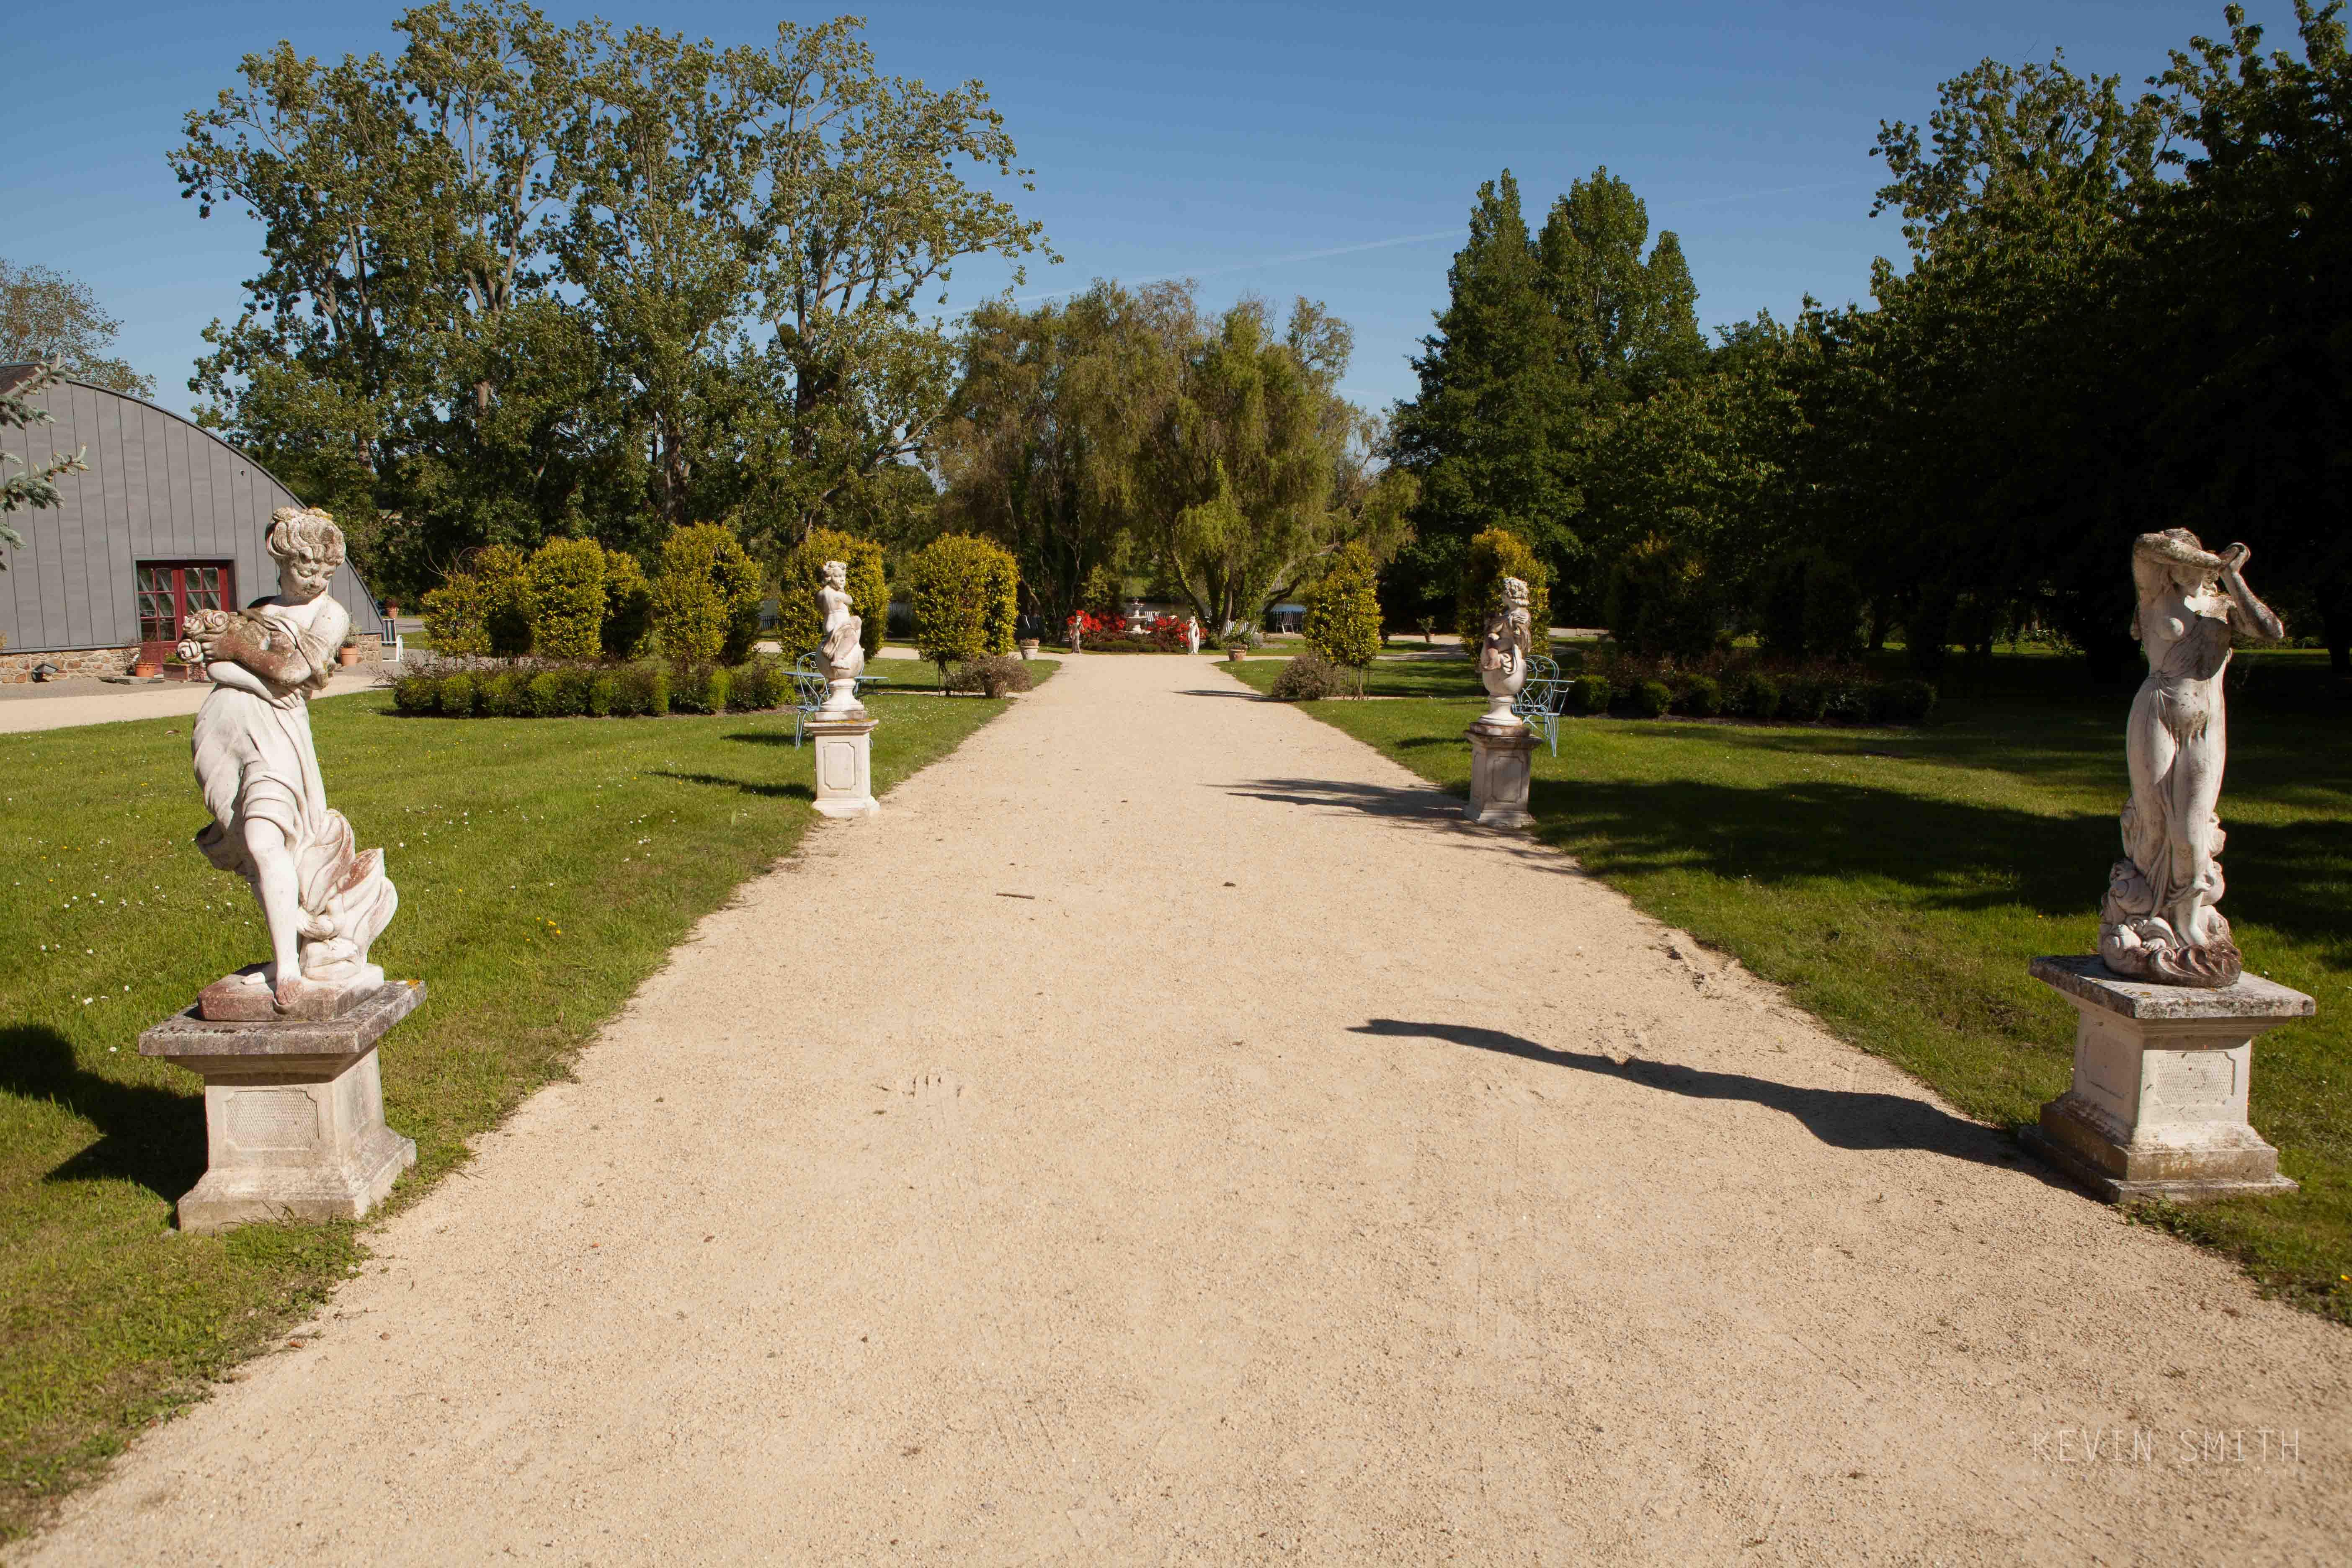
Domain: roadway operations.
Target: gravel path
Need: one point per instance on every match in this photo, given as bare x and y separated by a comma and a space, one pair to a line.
1166, 1135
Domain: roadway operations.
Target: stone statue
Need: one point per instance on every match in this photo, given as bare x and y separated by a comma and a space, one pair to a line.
1191, 633
2158, 921
1503, 657
841, 652
323, 899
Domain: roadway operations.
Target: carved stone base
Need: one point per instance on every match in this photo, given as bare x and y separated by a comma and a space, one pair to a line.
293, 1112
843, 764
247, 997
2158, 1107
1502, 769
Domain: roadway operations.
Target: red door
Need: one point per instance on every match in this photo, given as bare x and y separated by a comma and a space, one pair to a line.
168, 591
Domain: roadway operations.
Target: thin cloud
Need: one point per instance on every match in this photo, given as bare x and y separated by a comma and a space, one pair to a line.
1268, 261
1759, 195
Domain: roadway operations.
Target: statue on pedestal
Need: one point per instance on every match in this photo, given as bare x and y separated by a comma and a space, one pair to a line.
841, 652
1503, 655
2159, 921
1191, 633
324, 900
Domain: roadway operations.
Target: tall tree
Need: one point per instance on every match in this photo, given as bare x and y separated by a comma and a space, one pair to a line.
48, 317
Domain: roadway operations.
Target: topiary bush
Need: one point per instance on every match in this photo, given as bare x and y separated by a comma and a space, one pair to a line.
1590, 694
641, 690
503, 695
1802, 697
1701, 698
1493, 555
1847, 703
556, 694
416, 694
964, 592
1660, 602
699, 689
799, 626
602, 691
758, 686
1309, 678
456, 696
564, 590
1343, 610
1758, 695
483, 608
1907, 701
627, 631
1651, 700
706, 600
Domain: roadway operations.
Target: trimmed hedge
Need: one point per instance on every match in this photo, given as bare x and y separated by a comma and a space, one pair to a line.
1590, 694
617, 691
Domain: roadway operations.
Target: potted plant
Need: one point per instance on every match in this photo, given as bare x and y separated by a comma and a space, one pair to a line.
1028, 646
1235, 651
348, 654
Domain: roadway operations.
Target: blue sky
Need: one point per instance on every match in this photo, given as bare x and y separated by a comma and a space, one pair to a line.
1270, 148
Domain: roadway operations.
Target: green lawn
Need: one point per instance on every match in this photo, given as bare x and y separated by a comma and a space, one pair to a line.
1896, 881
545, 867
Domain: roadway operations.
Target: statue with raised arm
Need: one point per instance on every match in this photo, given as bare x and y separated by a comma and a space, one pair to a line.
323, 899
1503, 655
2160, 921
840, 652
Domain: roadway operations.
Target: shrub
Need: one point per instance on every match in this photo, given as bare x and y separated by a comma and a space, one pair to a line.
602, 691
964, 592
799, 627
641, 689
1757, 696
760, 684
1493, 555
993, 675
1847, 703
1702, 697
699, 689
1907, 701
556, 694
1802, 697
502, 696
628, 606
1343, 610
1651, 699
563, 588
1834, 605
416, 694
1309, 677
1659, 601
1101, 592
483, 608
456, 696
1590, 694
706, 602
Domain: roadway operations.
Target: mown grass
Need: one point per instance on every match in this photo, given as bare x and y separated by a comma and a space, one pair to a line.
545, 867
1897, 882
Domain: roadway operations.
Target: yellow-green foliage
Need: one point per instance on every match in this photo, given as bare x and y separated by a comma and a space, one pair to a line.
798, 624
484, 607
1495, 554
628, 606
706, 602
1343, 609
566, 583
964, 592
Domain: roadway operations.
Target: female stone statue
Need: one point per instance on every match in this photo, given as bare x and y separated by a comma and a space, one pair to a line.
2158, 921
324, 902
840, 650
1503, 655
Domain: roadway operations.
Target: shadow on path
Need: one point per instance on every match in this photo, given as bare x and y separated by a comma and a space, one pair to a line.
1349, 794
153, 1136
1242, 696
1843, 1118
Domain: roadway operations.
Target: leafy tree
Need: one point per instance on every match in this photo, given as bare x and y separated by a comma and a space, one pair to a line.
799, 626
964, 592
706, 598
34, 487
1659, 600
1343, 610
49, 317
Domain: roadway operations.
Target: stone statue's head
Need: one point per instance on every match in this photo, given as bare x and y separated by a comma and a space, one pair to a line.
308, 547
1514, 592
837, 574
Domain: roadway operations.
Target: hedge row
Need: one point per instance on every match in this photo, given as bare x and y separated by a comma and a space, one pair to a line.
618, 691
1806, 699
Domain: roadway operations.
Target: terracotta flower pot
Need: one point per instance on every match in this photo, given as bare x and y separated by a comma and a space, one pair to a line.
1235, 654
347, 657
146, 669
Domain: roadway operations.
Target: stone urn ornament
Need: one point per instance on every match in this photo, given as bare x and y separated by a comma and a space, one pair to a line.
293, 1100
2166, 1014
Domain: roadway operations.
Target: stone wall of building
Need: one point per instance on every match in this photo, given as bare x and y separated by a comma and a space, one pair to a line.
17, 669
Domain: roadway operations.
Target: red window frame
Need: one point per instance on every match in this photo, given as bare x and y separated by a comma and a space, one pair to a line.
166, 590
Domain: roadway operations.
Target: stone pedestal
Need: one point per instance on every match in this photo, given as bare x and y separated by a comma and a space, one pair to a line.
293, 1112
1502, 766
2158, 1104
845, 764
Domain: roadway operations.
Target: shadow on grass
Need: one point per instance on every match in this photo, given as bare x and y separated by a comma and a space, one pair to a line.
150, 1136
748, 787
763, 737
1960, 855
1842, 1119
